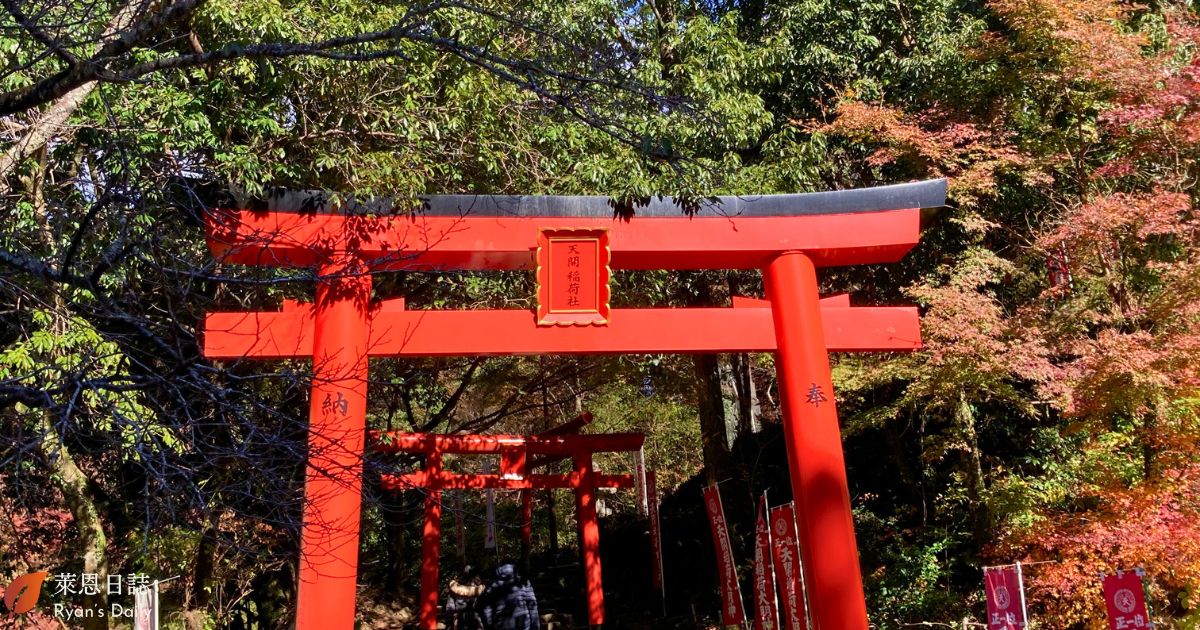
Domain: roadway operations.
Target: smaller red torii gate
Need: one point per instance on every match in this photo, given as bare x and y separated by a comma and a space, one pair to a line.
515, 465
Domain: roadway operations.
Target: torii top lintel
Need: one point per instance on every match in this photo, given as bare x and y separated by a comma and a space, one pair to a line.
859, 226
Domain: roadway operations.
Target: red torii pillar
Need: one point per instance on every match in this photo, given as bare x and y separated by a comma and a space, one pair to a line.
784, 235
514, 474
814, 445
567, 428
337, 412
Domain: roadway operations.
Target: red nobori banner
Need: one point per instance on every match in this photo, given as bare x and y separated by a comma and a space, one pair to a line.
732, 613
788, 571
766, 615
1005, 597
656, 575
1125, 598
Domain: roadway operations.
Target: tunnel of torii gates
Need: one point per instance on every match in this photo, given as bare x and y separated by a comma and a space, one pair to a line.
572, 243
515, 473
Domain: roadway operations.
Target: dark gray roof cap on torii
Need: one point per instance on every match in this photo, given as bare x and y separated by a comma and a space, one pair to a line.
923, 194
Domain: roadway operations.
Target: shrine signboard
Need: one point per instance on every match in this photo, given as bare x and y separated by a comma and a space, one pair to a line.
572, 277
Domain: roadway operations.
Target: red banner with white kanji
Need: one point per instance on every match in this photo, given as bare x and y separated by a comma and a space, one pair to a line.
788, 570
766, 616
1005, 597
1125, 598
656, 575
732, 613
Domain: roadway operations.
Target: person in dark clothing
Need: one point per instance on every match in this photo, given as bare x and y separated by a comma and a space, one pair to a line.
509, 602
461, 600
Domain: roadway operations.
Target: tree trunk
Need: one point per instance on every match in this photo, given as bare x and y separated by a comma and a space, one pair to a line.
716, 434
714, 430
908, 478
742, 389
972, 464
552, 520
93, 543
273, 594
740, 377
1149, 447
551, 495
203, 570
64, 472
51, 123
392, 509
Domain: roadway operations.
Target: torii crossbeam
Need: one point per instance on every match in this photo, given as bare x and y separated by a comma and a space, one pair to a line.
572, 242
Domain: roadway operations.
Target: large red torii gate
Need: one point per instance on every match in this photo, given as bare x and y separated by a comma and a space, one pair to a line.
515, 473
787, 236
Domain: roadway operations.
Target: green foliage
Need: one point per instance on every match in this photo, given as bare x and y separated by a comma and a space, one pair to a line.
60, 350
